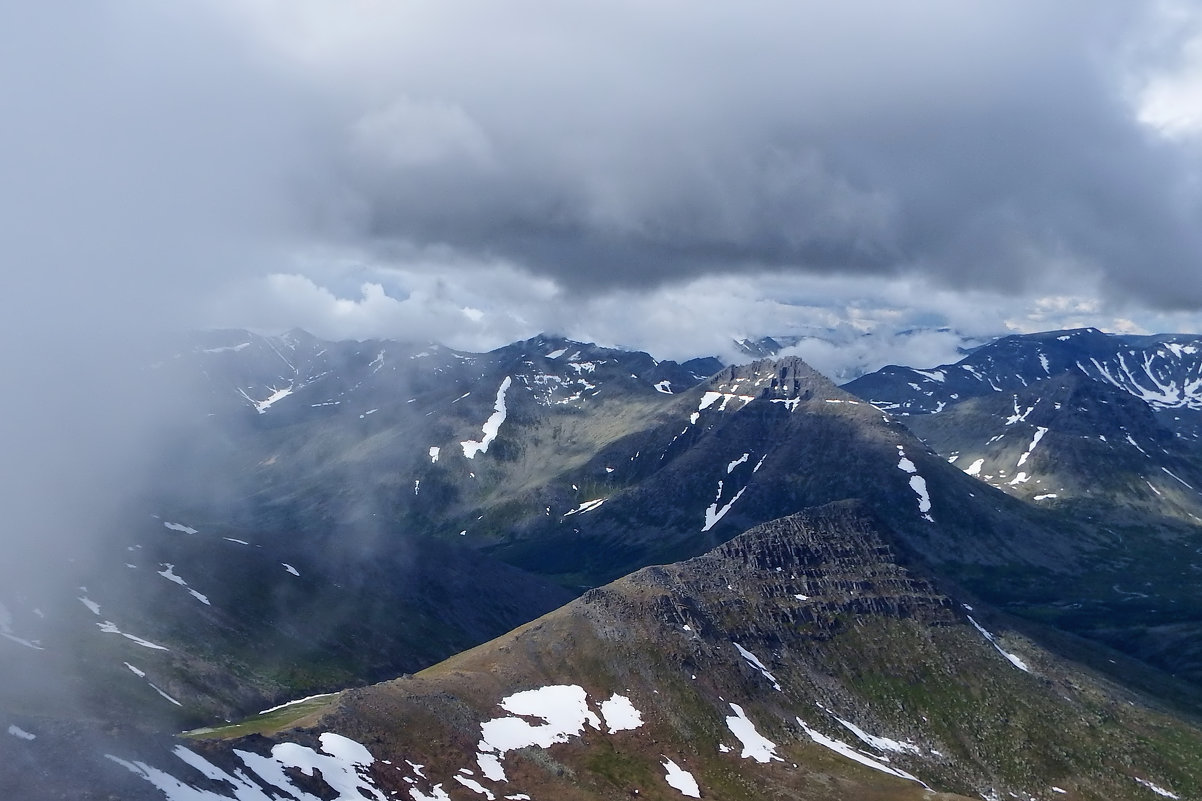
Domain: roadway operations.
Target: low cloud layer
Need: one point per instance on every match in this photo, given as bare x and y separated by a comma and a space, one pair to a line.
847, 325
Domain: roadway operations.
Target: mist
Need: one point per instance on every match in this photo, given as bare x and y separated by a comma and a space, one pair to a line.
128, 194
140, 174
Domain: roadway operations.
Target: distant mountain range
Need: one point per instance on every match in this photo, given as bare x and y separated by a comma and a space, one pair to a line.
978, 577
1095, 427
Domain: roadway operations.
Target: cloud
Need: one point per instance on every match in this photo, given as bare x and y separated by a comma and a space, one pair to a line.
621, 145
596, 154
409, 135
664, 176
846, 324
143, 165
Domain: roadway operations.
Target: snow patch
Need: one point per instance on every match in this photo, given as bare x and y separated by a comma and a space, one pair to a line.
587, 506
846, 750
491, 426
21, 734
563, 707
179, 527
1014, 660
758, 665
490, 766
1020, 416
710, 398
619, 714
475, 787
167, 697
1157, 789
6, 630
919, 485
933, 375
713, 514
344, 765
297, 701
1136, 445
681, 779
871, 740
1174, 475
755, 745
169, 574
228, 348
109, 627
1039, 432
275, 397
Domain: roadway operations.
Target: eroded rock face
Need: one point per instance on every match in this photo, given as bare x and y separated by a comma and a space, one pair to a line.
836, 557
785, 379
809, 574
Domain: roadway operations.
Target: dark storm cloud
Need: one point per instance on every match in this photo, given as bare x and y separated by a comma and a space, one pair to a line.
621, 144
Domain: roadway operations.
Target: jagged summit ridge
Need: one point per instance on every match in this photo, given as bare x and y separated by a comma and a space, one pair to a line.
806, 571
789, 378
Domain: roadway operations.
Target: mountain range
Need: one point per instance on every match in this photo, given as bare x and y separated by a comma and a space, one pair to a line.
974, 580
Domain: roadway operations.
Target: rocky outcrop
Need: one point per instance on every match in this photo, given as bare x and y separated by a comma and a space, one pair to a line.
804, 573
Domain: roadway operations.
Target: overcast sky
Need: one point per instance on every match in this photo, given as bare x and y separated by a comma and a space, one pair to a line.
664, 174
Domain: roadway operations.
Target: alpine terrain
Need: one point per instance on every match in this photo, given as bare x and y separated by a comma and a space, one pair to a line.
599, 575
1090, 427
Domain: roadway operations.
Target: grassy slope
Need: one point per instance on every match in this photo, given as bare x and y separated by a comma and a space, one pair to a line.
872, 643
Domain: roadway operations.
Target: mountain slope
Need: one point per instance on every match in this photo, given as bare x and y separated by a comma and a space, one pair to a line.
1100, 431
628, 468
397, 504
800, 660
336, 547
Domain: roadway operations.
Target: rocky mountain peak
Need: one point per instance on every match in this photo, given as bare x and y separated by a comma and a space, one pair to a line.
785, 378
